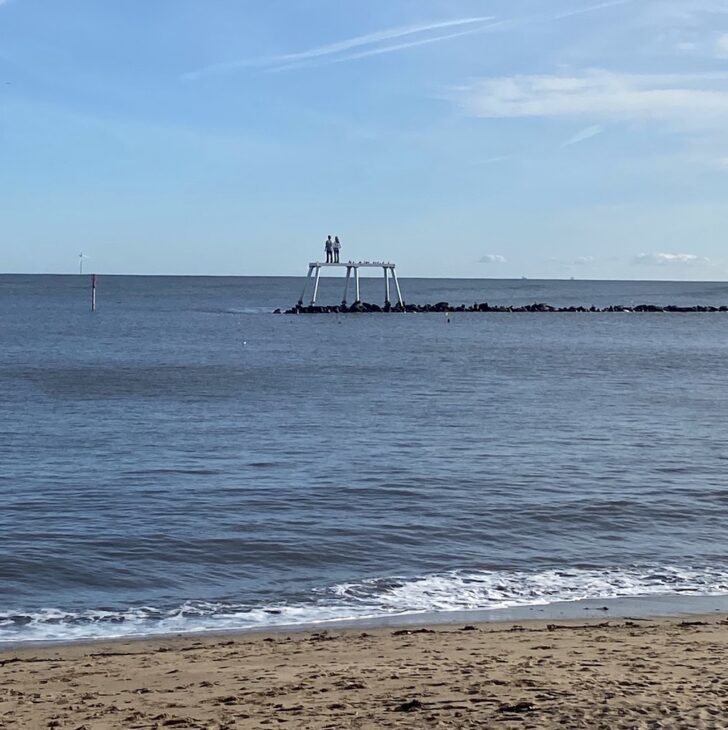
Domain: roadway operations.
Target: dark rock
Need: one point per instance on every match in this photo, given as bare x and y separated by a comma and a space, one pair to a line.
409, 706
648, 308
365, 307
518, 707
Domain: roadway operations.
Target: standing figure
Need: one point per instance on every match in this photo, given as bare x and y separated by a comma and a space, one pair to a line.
329, 246
337, 248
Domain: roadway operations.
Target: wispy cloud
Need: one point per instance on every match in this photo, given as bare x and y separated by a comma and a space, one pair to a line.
721, 46
695, 98
384, 49
338, 47
338, 51
662, 259
492, 258
492, 160
591, 9
584, 134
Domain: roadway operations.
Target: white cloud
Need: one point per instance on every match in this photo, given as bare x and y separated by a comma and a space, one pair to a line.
336, 52
583, 260
591, 9
721, 46
661, 259
348, 44
584, 134
492, 258
384, 49
492, 160
700, 99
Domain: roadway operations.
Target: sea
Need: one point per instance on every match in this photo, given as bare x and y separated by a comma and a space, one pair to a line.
185, 460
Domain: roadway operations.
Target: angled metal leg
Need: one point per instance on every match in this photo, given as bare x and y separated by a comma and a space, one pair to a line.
305, 286
315, 286
396, 283
346, 284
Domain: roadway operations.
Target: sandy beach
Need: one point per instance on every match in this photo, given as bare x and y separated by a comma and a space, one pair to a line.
633, 673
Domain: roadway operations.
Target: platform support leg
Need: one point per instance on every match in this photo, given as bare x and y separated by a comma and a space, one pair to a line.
305, 286
386, 285
315, 286
346, 285
396, 283
356, 281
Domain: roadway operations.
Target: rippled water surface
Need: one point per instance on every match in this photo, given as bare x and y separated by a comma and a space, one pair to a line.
184, 459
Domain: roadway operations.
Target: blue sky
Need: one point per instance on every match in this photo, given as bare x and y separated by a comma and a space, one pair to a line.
477, 138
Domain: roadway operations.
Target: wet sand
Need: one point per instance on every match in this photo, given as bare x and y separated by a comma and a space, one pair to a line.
626, 673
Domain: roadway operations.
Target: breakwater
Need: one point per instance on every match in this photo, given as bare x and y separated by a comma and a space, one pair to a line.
445, 307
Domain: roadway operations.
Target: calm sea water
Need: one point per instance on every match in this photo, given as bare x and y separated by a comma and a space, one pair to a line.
183, 459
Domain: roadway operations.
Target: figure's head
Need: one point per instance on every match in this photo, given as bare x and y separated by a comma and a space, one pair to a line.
336, 238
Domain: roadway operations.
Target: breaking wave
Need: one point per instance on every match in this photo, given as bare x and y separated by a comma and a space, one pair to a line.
372, 598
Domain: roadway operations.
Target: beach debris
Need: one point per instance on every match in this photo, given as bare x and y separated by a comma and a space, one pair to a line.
322, 636
409, 706
350, 684
469, 627
557, 627
517, 707
408, 632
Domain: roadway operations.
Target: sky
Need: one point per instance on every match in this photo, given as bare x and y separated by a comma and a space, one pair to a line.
459, 138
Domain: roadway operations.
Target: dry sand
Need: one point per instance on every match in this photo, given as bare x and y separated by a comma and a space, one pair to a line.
624, 674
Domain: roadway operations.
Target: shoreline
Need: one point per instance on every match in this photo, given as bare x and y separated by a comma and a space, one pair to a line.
637, 607
591, 672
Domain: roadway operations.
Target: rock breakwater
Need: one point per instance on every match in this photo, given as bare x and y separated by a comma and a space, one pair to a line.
445, 307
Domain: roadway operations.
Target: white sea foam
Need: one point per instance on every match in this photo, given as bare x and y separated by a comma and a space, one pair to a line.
372, 598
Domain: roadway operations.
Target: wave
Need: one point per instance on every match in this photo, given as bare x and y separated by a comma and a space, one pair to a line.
369, 599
